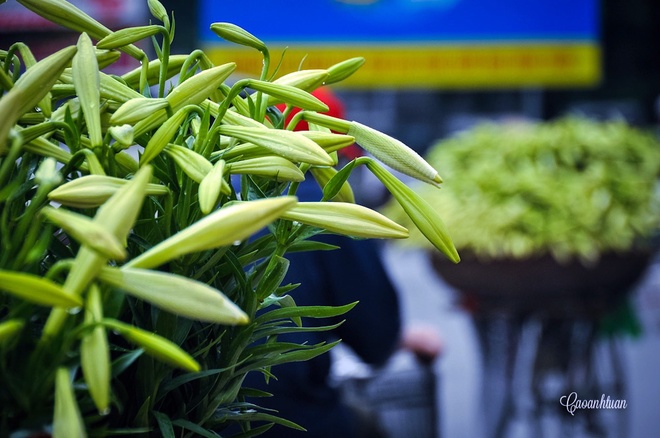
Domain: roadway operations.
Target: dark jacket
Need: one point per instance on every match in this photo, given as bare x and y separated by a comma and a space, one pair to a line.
353, 273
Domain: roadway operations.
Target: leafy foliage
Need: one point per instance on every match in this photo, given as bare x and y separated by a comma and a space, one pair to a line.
573, 188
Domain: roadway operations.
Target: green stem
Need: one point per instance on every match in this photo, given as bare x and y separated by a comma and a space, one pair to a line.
194, 57
233, 93
9, 160
164, 62
144, 76
28, 217
333, 123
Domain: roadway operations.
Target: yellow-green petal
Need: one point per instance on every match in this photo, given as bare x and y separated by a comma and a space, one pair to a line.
329, 141
238, 35
290, 95
126, 36
344, 69
192, 91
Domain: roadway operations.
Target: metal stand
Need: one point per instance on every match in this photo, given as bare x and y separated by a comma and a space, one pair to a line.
530, 362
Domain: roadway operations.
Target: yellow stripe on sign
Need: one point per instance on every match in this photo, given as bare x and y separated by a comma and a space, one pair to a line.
464, 65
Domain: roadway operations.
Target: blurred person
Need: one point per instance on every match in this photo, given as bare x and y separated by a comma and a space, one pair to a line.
372, 329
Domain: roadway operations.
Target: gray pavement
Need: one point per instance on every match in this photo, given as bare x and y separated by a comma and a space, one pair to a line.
462, 412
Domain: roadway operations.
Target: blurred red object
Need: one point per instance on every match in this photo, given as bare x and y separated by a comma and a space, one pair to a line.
336, 109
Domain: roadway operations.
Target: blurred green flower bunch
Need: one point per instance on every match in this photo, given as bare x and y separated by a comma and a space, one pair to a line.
136, 286
572, 188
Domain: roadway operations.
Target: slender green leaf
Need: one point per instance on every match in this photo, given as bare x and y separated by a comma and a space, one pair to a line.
305, 312
164, 424
199, 430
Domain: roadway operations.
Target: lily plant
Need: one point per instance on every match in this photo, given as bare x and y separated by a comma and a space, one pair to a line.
137, 286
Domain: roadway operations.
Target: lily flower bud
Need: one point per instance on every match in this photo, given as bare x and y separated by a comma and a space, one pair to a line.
154, 345
288, 144
347, 219
220, 228
238, 35
106, 57
158, 11
69, 16
30, 88
93, 190
289, 94
343, 70
201, 302
67, 421
85, 71
164, 134
134, 110
123, 136
394, 153
126, 36
87, 232
425, 218
330, 142
37, 290
211, 187
307, 80
193, 164
95, 353
192, 91
174, 64
47, 173
274, 167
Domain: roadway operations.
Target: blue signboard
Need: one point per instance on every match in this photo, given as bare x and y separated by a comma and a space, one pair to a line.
435, 25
